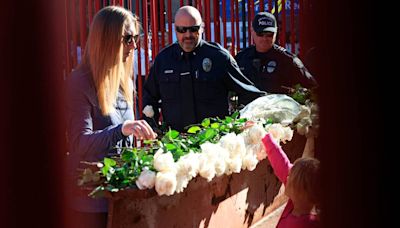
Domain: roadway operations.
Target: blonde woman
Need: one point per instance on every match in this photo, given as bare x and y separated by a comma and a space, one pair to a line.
100, 92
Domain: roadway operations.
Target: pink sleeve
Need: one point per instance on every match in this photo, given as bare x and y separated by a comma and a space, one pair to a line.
277, 157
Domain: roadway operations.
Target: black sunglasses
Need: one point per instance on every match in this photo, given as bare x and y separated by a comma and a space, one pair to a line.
183, 29
267, 34
129, 39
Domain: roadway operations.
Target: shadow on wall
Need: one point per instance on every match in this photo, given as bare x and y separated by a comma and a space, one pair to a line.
264, 178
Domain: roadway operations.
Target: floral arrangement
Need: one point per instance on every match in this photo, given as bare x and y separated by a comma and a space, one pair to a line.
210, 149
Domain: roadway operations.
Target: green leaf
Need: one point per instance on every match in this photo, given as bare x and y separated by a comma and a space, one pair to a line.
127, 155
109, 173
183, 146
170, 146
205, 122
194, 129
193, 139
146, 158
172, 134
242, 120
228, 120
223, 127
104, 170
210, 133
177, 154
235, 114
215, 125
109, 162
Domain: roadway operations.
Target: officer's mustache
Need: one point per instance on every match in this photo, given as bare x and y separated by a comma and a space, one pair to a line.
191, 38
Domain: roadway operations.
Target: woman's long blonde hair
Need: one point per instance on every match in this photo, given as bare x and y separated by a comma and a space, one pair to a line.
104, 55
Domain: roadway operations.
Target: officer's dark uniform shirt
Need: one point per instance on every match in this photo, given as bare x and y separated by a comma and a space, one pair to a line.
192, 85
273, 69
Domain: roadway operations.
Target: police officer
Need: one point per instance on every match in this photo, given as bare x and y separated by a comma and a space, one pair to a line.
272, 68
191, 78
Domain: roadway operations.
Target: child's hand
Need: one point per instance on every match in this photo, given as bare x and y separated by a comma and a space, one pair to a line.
247, 125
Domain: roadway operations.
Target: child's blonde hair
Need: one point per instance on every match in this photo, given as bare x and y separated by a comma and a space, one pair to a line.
305, 179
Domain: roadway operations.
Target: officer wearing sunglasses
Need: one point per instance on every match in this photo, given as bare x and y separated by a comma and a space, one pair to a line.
271, 67
191, 78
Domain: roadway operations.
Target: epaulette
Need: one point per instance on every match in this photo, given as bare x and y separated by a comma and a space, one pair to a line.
279, 48
214, 44
284, 51
297, 62
217, 46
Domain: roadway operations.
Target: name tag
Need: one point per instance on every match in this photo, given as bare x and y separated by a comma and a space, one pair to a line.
185, 73
168, 71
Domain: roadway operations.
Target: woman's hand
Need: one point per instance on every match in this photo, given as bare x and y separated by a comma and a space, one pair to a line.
138, 128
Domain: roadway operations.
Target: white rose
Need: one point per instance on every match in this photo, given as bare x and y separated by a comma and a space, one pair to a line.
234, 165
234, 144
148, 111
188, 164
257, 150
280, 133
165, 183
217, 155
221, 163
206, 166
287, 134
276, 131
254, 134
250, 162
220, 166
260, 151
210, 150
164, 162
182, 181
146, 179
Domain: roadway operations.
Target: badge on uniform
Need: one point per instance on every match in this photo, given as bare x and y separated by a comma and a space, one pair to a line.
207, 64
271, 65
